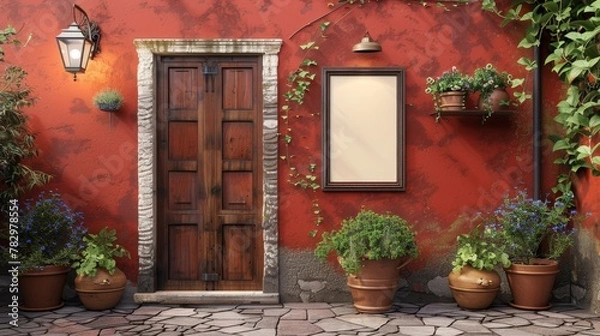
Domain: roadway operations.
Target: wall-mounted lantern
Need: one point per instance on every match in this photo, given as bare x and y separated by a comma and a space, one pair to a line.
79, 42
366, 45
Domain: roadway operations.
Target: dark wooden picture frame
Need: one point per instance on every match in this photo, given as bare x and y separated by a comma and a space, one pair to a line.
363, 129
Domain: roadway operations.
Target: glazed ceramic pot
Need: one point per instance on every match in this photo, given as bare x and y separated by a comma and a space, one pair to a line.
102, 291
474, 289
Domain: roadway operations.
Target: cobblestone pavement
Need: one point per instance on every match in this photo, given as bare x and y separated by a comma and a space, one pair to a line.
297, 319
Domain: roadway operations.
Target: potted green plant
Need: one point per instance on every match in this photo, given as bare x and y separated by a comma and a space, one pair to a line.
474, 282
449, 91
371, 248
535, 233
491, 85
51, 236
99, 283
108, 100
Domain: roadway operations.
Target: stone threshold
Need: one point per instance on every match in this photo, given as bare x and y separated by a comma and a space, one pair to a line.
207, 297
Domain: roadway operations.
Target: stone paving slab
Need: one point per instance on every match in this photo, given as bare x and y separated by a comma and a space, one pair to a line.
304, 319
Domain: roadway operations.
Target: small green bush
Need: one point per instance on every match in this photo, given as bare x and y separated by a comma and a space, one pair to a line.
479, 250
370, 236
50, 232
100, 252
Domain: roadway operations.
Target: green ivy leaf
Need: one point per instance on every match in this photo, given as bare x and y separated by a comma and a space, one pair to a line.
574, 73
561, 144
584, 152
527, 63
307, 45
595, 120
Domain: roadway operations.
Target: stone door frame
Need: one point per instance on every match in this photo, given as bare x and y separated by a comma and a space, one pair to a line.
147, 50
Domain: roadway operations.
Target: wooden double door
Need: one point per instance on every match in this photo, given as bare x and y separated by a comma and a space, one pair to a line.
209, 173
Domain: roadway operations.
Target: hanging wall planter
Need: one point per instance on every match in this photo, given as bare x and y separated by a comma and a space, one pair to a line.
491, 85
109, 100
450, 90
497, 100
452, 100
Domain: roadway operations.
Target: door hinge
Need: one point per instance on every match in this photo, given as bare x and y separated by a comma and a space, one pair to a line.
210, 277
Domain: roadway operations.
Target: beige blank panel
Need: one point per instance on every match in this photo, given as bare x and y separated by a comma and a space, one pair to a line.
363, 129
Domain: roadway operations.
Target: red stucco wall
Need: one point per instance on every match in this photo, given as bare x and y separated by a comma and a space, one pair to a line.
455, 167
588, 192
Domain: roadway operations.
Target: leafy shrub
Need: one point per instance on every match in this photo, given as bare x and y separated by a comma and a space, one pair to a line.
50, 232
452, 80
371, 236
523, 224
479, 250
17, 141
100, 252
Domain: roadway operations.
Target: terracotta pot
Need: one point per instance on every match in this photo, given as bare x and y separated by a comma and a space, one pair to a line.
496, 101
452, 100
102, 291
531, 285
474, 289
42, 289
373, 289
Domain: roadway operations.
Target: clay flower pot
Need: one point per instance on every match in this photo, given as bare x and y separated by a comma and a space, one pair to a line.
452, 100
531, 285
496, 101
373, 289
41, 289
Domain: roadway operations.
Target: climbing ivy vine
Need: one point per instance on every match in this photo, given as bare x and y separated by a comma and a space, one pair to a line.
572, 31
304, 176
298, 83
